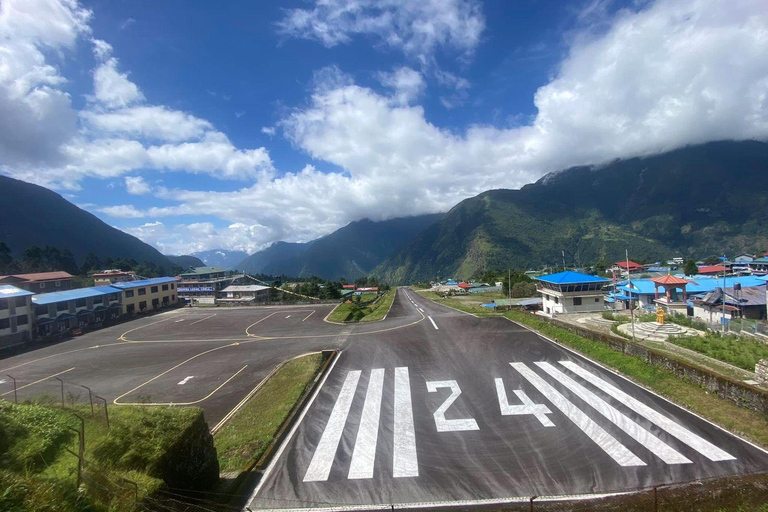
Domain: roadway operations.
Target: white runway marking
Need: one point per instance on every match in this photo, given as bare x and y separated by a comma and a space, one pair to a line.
603, 439
364, 453
404, 461
445, 425
185, 380
206, 318
179, 320
289, 316
699, 444
320, 466
433, 322
538, 410
420, 309
635, 431
309, 315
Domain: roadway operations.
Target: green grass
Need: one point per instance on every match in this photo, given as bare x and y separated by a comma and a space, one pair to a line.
252, 429
468, 303
38, 473
741, 352
682, 391
363, 311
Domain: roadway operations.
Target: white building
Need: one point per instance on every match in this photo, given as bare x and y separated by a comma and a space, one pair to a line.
571, 292
15, 315
244, 293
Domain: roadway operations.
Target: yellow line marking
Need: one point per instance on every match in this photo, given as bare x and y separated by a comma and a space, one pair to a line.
169, 370
38, 381
309, 315
122, 336
206, 318
209, 395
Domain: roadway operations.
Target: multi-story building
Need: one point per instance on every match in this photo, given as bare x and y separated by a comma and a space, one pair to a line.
571, 292
16, 315
107, 277
40, 282
147, 294
82, 307
205, 284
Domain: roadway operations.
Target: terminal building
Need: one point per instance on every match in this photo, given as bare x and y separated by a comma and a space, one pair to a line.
16, 315
205, 284
57, 312
147, 294
571, 292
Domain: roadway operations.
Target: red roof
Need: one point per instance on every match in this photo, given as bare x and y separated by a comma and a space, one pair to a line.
632, 265
43, 276
348, 287
465, 285
369, 289
711, 269
668, 279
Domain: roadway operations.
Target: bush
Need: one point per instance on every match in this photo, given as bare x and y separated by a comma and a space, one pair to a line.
744, 353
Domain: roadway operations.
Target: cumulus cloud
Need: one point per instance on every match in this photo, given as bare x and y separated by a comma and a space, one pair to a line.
135, 185
408, 84
198, 236
417, 29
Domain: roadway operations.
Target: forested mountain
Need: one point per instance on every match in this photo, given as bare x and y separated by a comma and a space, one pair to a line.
695, 201
349, 252
221, 258
35, 216
185, 261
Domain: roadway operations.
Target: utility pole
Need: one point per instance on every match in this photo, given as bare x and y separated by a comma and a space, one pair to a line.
563, 261
509, 283
631, 306
723, 319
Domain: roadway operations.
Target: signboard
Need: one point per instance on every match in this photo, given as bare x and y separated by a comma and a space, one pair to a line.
197, 289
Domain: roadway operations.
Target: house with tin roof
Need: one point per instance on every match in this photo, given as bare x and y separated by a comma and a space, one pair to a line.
570, 292
16, 315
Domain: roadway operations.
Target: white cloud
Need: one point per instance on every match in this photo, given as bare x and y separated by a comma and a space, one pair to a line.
112, 88
147, 122
268, 130
407, 83
417, 28
178, 239
135, 185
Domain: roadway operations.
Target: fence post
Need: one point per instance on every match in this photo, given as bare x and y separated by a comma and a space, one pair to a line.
531, 502
135, 488
79, 467
656, 498
90, 396
15, 396
106, 411
62, 390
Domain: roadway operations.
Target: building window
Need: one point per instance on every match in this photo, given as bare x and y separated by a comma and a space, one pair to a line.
5, 323
557, 300
577, 301
22, 320
597, 299
41, 310
128, 293
172, 286
58, 283
155, 303
80, 303
142, 305
62, 306
42, 285
4, 303
153, 289
165, 287
98, 300
130, 308
165, 299
21, 302
112, 296
173, 297
142, 291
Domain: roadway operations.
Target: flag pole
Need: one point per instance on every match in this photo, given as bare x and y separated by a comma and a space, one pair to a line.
631, 306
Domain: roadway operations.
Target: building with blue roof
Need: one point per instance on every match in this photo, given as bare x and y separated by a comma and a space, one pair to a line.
571, 292
643, 290
60, 311
15, 315
147, 294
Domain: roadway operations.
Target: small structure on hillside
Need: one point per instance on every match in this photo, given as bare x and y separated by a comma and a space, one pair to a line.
571, 292
672, 301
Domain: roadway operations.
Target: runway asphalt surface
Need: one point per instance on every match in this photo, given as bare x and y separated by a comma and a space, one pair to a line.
454, 409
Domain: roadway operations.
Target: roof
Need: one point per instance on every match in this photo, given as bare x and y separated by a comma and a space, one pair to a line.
144, 282
42, 276
711, 269
465, 285
631, 265
108, 273
669, 279
193, 271
659, 269
245, 288
569, 277
78, 293
763, 260
702, 284
530, 302
7, 292
744, 297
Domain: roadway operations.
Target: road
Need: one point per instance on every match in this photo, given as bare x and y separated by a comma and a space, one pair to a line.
450, 408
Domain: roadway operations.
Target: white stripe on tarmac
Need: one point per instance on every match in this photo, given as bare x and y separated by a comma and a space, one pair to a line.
635, 431
322, 460
595, 432
699, 444
206, 318
404, 462
364, 453
433, 322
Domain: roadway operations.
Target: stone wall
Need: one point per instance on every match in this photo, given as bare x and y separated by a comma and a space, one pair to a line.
741, 393
761, 371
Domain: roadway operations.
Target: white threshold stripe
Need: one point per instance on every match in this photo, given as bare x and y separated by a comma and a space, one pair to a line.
364, 453
206, 318
635, 431
325, 452
433, 322
404, 461
595, 432
696, 442
539, 411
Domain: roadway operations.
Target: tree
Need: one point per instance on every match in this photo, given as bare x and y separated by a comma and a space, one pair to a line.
521, 289
690, 268
91, 263
713, 260
5, 257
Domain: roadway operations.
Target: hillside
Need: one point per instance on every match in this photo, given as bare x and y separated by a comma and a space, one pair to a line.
221, 258
33, 215
349, 252
185, 261
695, 201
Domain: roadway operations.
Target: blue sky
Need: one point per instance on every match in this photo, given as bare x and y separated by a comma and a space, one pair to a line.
201, 125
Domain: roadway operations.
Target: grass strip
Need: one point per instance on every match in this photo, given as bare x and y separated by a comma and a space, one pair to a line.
245, 437
381, 308
728, 415
470, 304
741, 352
363, 311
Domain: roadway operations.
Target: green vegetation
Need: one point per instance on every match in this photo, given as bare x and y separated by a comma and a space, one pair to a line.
363, 308
683, 320
248, 434
663, 381
690, 268
151, 447
468, 303
738, 351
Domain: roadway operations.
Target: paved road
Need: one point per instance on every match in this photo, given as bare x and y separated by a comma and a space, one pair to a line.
451, 408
